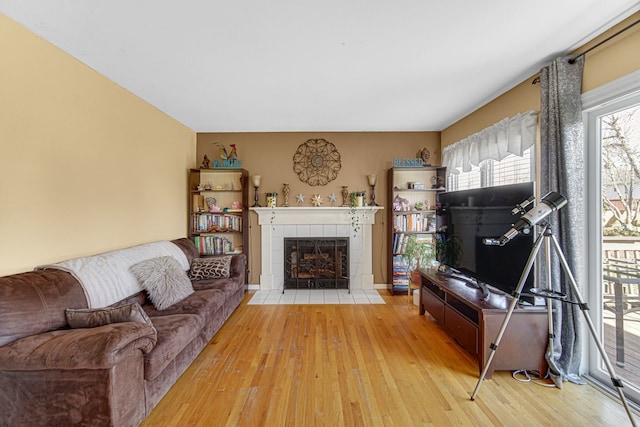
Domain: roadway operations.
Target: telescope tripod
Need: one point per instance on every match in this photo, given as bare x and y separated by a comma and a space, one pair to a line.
547, 234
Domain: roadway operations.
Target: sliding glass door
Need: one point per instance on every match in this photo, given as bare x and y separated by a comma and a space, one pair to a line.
613, 131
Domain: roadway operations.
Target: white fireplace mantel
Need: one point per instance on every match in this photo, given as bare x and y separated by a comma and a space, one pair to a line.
280, 222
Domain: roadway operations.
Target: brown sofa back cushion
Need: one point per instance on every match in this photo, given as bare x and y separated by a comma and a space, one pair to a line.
188, 247
34, 302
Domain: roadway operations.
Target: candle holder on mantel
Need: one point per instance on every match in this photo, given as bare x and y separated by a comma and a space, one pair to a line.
372, 183
255, 179
285, 192
345, 196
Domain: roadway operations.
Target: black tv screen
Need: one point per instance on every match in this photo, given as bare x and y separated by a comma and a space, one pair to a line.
474, 215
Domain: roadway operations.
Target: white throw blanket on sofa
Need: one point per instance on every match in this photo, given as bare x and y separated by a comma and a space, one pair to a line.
106, 278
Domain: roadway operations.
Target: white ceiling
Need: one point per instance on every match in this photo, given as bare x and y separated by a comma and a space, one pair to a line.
330, 65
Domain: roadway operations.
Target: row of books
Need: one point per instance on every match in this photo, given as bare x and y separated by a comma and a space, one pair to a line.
414, 222
400, 242
214, 222
210, 245
400, 271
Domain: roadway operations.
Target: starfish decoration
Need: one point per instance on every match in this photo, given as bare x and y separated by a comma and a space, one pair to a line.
300, 198
332, 198
317, 200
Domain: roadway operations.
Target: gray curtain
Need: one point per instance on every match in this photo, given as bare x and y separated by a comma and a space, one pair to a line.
562, 170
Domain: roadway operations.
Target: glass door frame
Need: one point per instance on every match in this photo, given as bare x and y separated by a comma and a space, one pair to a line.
615, 96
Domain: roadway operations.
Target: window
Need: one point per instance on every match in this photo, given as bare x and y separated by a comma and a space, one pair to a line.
497, 155
510, 170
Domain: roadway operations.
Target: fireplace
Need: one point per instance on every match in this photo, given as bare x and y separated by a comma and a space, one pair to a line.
316, 263
279, 223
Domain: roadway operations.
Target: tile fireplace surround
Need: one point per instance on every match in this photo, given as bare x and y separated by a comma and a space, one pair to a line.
278, 223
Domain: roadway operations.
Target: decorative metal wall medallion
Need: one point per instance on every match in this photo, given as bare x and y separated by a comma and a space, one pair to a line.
317, 162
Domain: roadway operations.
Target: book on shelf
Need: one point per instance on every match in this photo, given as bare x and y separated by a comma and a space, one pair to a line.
400, 243
212, 245
415, 222
198, 203
400, 271
214, 221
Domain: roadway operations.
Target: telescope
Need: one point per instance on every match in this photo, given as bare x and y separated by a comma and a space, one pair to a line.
551, 202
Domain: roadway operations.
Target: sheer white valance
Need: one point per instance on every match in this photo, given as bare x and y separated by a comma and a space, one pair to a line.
512, 135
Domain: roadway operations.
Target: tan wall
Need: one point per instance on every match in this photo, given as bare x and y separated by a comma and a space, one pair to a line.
614, 59
270, 155
610, 61
85, 166
523, 97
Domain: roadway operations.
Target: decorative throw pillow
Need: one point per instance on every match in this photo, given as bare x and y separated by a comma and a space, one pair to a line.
94, 317
210, 268
164, 280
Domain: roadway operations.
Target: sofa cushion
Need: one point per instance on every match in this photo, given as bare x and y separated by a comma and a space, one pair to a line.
164, 279
175, 332
201, 303
188, 247
210, 268
141, 298
93, 317
228, 286
209, 305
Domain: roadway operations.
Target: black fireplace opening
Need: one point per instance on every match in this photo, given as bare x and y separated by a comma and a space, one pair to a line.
316, 263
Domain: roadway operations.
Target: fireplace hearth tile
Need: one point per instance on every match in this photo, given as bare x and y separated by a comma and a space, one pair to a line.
316, 296
301, 298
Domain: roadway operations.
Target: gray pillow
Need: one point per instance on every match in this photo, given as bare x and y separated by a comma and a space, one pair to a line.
210, 268
94, 317
164, 280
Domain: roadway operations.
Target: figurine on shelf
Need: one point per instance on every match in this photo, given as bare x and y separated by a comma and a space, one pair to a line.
230, 155
400, 204
211, 203
205, 162
236, 206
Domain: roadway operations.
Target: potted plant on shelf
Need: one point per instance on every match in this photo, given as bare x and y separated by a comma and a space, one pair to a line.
418, 253
448, 250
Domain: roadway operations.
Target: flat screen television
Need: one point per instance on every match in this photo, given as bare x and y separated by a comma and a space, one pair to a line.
473, 215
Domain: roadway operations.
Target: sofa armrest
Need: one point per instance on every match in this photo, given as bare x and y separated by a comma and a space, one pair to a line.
84, 348
238, 266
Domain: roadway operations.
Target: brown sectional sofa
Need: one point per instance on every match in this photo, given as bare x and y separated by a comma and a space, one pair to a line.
111, 375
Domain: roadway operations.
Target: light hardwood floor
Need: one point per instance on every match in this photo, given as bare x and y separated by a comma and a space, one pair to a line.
359, 365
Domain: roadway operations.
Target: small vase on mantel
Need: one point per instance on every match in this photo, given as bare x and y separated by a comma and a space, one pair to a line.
345, 196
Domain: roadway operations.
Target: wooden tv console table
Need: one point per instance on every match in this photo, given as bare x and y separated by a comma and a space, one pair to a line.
474, 324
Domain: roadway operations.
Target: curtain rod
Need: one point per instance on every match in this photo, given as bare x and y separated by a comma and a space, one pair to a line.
575, 58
